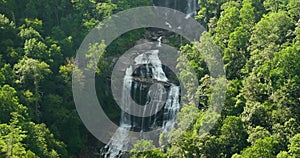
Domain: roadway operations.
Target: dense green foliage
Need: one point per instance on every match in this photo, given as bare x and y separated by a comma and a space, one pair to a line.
260, 42
38, 41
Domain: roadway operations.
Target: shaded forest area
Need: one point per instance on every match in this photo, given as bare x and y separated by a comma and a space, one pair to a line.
260, 44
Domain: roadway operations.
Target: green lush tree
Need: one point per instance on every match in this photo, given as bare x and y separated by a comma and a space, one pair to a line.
283, 154
293, 9
275, 5
265, 147
8, 40
12, 136
232, 106
255, 114
209, 145
42, 142
268, 35
233, 136
228, 21
294, 147
256, 133
235, 55
8, 73
9, 102
209, 10
31, 71
145, 149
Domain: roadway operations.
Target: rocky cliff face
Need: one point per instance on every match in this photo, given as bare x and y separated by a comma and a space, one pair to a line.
145, 69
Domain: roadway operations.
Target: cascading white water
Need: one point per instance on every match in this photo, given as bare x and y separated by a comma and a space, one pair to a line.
191, 8
153, 69
120, 138
171, 109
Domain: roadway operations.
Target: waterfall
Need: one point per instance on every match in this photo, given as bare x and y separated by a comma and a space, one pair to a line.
171, 109
120, 138
150, 67
192, 8
189, 7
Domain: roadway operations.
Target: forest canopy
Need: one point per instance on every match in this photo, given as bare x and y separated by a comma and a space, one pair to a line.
260, 45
